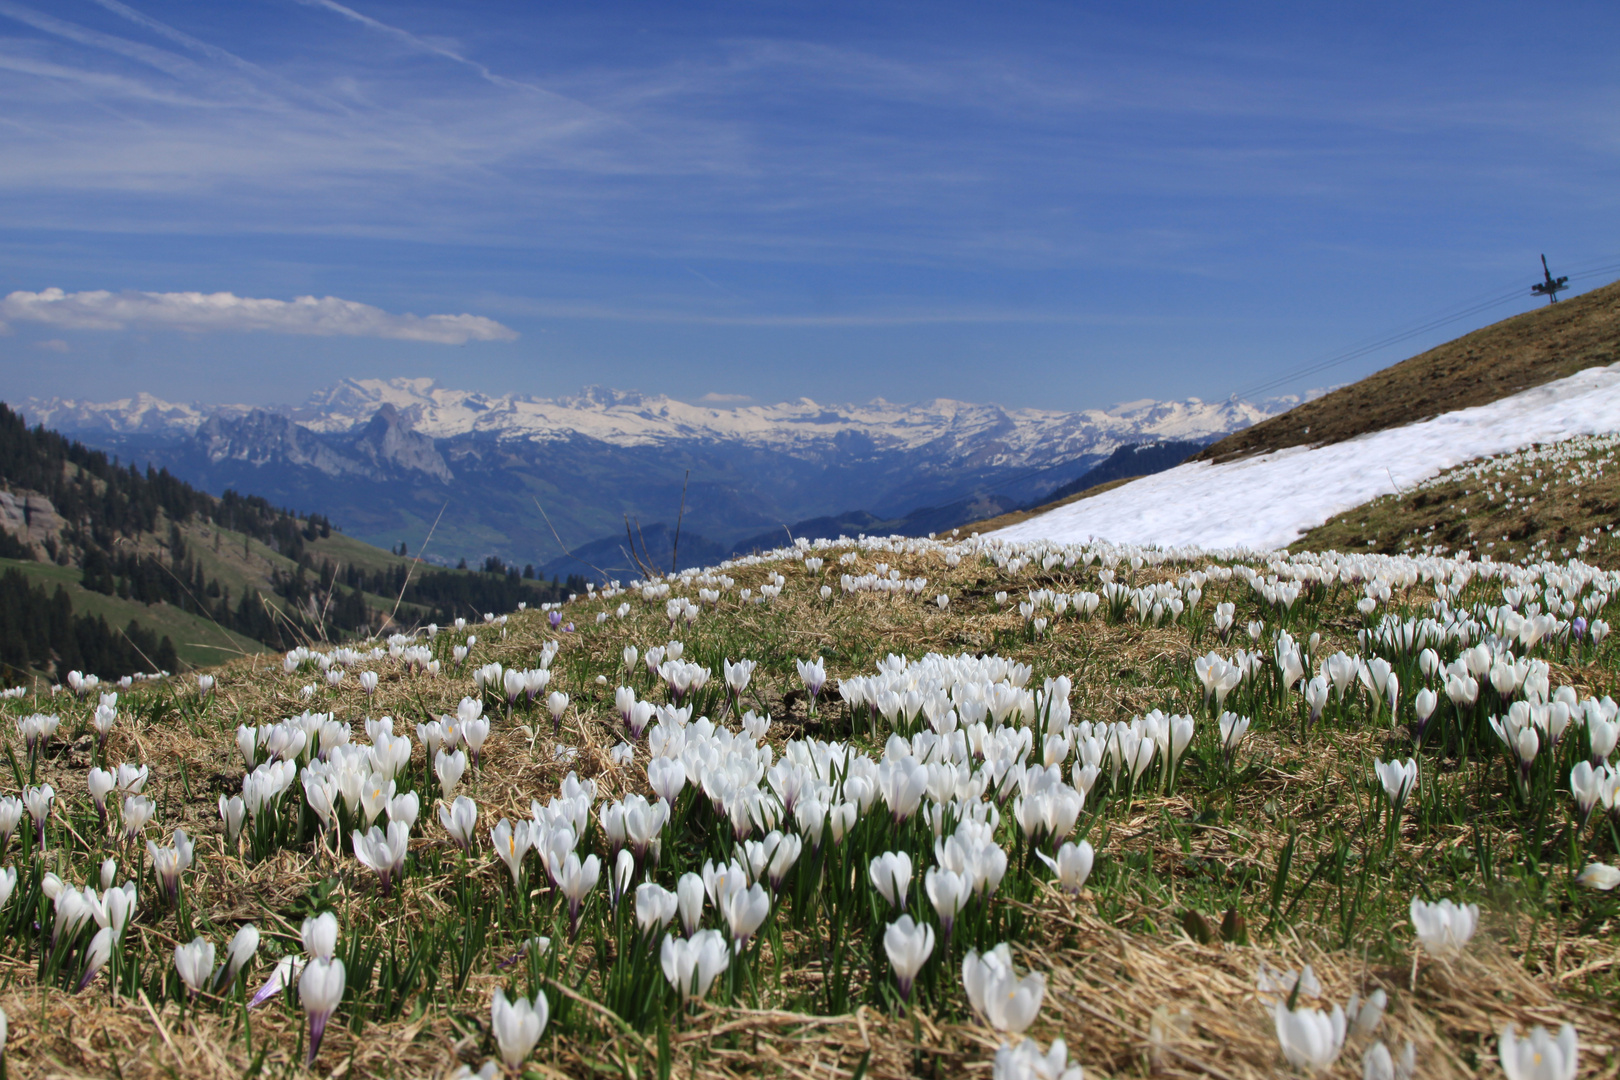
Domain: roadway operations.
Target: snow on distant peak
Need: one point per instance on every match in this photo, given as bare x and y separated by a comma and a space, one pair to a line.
142, 414
986, 432
1126, 408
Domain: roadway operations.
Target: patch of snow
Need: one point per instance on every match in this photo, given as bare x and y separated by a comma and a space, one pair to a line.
1267, 502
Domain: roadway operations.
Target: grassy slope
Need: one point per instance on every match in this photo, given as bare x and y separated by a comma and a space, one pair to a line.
1476, 369
198, 641
1113, 956
1573, 496
238, 563
241, 562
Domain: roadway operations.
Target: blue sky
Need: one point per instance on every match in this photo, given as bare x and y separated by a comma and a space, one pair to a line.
1057, 205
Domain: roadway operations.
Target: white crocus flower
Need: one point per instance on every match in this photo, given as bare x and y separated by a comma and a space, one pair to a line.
1400, 779
101, 784
1600, 876
138, 811
194, 962
449, 767
1233, 729
691, 964
518, 1025
1310, 1039
655, 907
1423, 704
232, 810
96, 956
908, 946
813, 673
38, 801
1538, 1056
131, 778
1379, 1064
286, 970
1072, 865
1444, 928
375, 795
782, 857
1007, 1003
319, 936
11, 812
383, 853
667, 777
405, 809
891, 876
1026, 1062
1586, 787
744, 911
1316, 697
320, 988
624, 871
689, 896
238, 953
1365, 1016
105, 717
460, 820
168, 863
511, 843
948, 892
575, 879
474, 733
737, 676
115, 909
432, 736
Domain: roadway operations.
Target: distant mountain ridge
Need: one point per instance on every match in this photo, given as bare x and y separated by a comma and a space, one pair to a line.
383, 457
1141, 459
628, 418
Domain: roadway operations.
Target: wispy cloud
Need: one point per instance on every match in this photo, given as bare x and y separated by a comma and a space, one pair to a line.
746, 147
194, 312
945, 190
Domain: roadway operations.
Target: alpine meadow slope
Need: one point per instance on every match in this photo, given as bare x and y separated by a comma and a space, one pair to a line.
890, 807
1543, 377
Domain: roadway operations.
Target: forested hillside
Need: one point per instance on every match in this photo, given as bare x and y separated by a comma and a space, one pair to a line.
240, 570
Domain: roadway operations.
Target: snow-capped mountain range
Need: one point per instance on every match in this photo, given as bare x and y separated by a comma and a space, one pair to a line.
382, 457
626, 418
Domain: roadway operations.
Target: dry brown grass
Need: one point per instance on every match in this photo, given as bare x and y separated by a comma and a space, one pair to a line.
1116, 987
1476, 369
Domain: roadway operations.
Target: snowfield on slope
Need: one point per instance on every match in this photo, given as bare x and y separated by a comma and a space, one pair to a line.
1269, 501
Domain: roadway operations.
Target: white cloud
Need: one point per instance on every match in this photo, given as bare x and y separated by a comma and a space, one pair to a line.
714, 398
193, 312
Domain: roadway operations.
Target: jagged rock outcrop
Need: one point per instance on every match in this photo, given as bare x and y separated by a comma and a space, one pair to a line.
389, 442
